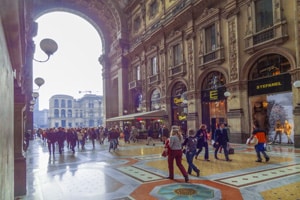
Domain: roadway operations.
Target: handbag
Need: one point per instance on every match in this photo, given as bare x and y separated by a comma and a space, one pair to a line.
164, 153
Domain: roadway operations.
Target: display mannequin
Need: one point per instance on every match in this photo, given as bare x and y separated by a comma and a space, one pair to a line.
288, 130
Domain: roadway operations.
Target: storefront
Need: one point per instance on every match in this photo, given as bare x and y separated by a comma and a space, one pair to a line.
270, 97
179, 106
213, 100
141, 121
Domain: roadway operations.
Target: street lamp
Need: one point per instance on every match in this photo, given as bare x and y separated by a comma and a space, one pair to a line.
49, 47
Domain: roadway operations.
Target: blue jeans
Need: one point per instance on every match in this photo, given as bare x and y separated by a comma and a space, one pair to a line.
190, 157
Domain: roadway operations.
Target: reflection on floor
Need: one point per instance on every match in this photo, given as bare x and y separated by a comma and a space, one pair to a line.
137, 171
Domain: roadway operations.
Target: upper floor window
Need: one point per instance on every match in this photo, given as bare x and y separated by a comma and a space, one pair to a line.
91, 105
63, 113
154, 69
210, 38
69, 103
69, 113
138, 73
176, 54
263, 14
153, 9
63, 103
56, 103
155, 100
56, 113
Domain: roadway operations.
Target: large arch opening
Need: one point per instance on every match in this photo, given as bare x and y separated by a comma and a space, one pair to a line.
74, 70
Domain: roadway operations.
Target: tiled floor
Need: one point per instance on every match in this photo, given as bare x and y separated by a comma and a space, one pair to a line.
137, 171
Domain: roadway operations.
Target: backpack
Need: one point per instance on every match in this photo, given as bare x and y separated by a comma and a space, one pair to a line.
191, 144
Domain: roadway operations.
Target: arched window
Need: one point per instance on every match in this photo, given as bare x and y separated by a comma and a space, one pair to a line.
69, 103
269, 65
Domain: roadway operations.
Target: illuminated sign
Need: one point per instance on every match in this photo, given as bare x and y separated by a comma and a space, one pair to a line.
274, 84
213, 95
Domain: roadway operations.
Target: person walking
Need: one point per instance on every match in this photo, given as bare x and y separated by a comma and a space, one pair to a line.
51, 140
191, 148
202, 136
221, 140
150, 135
175, 144
260, 135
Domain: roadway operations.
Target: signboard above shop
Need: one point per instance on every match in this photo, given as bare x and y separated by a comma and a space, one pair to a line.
213, 94
274, 84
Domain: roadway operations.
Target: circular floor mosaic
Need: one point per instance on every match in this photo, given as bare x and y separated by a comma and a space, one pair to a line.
180, 191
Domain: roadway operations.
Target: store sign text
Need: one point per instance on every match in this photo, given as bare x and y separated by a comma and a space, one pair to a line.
213, 95
268, 85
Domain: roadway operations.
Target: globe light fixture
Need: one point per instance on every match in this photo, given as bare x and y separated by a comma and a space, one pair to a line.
49, 47
39, 81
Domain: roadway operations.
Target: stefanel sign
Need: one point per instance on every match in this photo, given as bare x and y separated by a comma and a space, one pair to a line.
213, 95
274, 84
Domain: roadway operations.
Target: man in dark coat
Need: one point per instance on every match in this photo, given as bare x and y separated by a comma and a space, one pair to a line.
221, 140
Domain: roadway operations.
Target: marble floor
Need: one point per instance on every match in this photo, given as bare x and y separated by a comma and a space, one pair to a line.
137, 171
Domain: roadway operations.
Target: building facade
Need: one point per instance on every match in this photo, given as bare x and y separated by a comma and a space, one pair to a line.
209, 62
163, 59
65, 111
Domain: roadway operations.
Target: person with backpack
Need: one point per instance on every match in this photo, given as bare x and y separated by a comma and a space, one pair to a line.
202, 136
191, 148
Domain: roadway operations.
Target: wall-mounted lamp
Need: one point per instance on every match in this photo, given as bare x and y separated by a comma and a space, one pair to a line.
35, 95
49, 47
39, 81
297, 84
228, 95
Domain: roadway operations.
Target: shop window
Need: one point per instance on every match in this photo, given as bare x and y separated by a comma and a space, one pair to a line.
269, 65
179, 106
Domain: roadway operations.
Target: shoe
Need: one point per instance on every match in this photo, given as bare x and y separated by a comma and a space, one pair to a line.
169, 178
198, 173
207, 160
267, 159
216, 158
153, 144
258, 160
228, 160
186, 179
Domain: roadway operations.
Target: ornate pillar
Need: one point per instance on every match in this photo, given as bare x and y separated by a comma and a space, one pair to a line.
20, 160
296, 111
103, 60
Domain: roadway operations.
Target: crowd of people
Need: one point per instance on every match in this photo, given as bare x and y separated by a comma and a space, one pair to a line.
176, 142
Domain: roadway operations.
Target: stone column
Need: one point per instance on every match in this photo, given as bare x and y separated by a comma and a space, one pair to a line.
20, 160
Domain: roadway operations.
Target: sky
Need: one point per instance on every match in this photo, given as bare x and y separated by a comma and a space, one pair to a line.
74, 66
